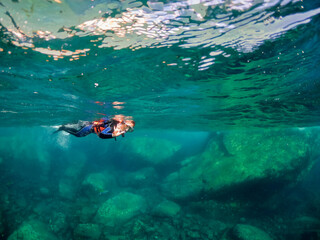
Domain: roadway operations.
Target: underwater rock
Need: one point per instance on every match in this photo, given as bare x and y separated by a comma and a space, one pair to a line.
44, 191
151, 150
58, 223
21, 202
1, 225
166, 209
305, 223
150, 228
188, 181
87, 212
32, 230
194, 226
114, 237
120, 209
98, 183
162, 230
241, 158
88, 231
245, 232
66, 189
303, 227
141, 178
194, 234
138, 229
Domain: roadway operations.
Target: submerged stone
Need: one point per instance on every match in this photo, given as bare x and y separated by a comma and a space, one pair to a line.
87, 212
44, 191
246, 232
141, 178
58, 223
66, 189
241, 158
1, 224
88, 231
120, 209
114, 237
303, 227
305, 223
166, 209
98, 183
32, 230
151, 150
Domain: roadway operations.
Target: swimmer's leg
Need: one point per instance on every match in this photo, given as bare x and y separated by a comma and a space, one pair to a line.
70, 130
81, 129
84, 131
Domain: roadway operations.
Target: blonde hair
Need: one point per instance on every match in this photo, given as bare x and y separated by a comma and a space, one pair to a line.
130, 123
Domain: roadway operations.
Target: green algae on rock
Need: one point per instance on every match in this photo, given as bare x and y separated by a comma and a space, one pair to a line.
120, 209
32, 230
242, 157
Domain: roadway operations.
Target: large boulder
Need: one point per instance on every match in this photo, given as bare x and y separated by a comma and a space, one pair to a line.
242, 158
32, 230
150, 150
166, 209
246, 232
120, 209
98, 183
142, 178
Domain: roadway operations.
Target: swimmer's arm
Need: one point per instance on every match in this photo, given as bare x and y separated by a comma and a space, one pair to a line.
106, 133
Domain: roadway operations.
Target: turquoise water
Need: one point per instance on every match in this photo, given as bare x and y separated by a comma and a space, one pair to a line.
225, 96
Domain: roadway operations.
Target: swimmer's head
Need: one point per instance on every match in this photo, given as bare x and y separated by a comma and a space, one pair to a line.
130, 125
123, 127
